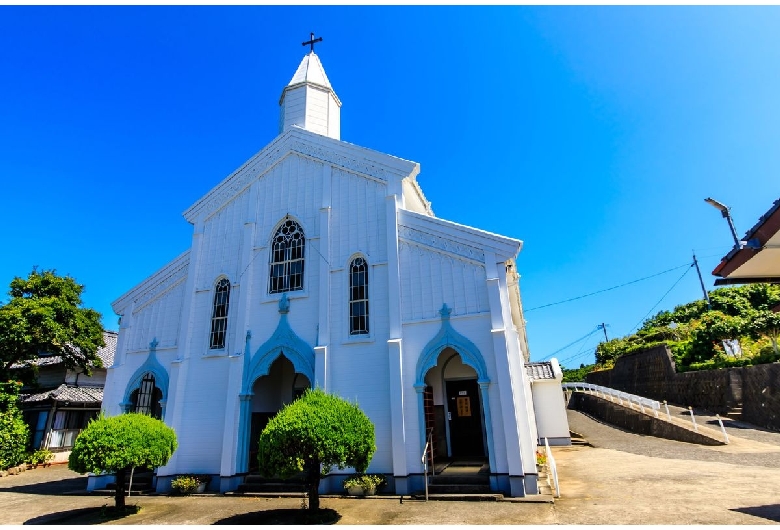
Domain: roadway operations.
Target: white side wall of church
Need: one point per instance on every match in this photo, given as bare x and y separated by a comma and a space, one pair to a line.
221, 247
200, 432
294, 187
430, 279
357, 218
158, 318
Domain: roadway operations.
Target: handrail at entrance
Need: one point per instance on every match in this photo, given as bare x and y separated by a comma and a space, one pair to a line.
553, 467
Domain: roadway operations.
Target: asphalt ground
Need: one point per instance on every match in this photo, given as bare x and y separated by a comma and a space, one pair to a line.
620, 478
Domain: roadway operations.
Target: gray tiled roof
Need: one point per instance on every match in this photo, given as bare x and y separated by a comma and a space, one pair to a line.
68, 393
540, 370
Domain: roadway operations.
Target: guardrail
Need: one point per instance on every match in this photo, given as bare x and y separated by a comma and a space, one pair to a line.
553, 468
613, 395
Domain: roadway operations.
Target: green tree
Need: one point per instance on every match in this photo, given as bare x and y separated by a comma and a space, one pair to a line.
576, 375
313, 434
45, 315
117, 444
714, 328
13, 430
766, 323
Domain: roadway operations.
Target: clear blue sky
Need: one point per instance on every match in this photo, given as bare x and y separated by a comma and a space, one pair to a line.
593, 134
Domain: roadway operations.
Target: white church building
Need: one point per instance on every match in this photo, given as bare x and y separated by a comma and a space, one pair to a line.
319, 263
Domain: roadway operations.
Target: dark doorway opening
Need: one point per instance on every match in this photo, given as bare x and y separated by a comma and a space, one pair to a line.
465, 417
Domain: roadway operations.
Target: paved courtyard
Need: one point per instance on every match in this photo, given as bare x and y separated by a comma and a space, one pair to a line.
622, 478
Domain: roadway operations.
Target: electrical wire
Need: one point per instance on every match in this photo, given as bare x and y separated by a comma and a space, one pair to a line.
547, 357
661, 300
609, 288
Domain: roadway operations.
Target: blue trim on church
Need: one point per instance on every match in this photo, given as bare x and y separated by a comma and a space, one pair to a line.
448, 337
283, 341
150, 366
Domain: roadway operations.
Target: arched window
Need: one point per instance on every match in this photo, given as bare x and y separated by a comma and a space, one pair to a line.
287, 249
219, 314
358, 297
146, 399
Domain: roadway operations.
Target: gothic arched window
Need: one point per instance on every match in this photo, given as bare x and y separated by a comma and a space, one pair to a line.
146, 399
287, 249
219, 314
358, 297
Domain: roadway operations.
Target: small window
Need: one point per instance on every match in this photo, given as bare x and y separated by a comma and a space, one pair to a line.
287, 258
358, 297
219, 314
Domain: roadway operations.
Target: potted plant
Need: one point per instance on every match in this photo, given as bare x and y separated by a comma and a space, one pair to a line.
361, 485
187, 484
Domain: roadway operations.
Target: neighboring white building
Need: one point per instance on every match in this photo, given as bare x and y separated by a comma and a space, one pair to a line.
321, 263
549, 404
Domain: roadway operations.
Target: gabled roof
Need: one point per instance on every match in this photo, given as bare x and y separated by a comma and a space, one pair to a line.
758, 260
540, 370
92, 395
360, 160
158, 282
470, 242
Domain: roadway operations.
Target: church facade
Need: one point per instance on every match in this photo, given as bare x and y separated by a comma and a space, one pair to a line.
319, 263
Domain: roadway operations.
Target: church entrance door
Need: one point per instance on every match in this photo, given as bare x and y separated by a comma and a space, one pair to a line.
271, 392
465, 418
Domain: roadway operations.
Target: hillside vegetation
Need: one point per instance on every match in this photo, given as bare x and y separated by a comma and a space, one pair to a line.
695, 334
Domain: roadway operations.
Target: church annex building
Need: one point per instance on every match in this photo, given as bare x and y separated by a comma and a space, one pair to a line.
319, 263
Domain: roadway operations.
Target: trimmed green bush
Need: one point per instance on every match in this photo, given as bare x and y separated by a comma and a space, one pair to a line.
13, 430
117, 444
314, 434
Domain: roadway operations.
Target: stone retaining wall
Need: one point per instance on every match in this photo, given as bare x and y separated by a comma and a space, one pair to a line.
652, 373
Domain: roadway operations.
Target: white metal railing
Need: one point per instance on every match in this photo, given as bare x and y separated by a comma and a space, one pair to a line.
424, 460
613, 395
553, 469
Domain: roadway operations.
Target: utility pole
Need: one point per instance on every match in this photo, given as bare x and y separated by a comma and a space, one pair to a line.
604, 327
703, 289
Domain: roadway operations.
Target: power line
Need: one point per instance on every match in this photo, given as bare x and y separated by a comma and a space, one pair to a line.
609, 288
662, 298
570, 344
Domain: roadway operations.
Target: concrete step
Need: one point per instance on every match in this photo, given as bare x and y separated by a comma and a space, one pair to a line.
459, 479
271, 487
475, 489
492, 497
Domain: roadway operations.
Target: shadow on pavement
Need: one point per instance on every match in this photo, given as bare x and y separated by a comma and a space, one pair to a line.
84, 516
767, 511
284, 516
55, 487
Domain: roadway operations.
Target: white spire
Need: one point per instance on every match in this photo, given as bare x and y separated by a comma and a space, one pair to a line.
309, 101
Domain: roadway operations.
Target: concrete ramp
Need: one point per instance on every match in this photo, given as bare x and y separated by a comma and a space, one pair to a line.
640, 422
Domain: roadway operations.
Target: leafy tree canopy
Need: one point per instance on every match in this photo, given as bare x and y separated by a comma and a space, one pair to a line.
117, 444
313, 434
45, 315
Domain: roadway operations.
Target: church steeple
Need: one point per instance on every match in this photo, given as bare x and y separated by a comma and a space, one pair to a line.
308, 100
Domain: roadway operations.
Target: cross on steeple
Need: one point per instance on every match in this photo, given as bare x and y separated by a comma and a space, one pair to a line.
311, 41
